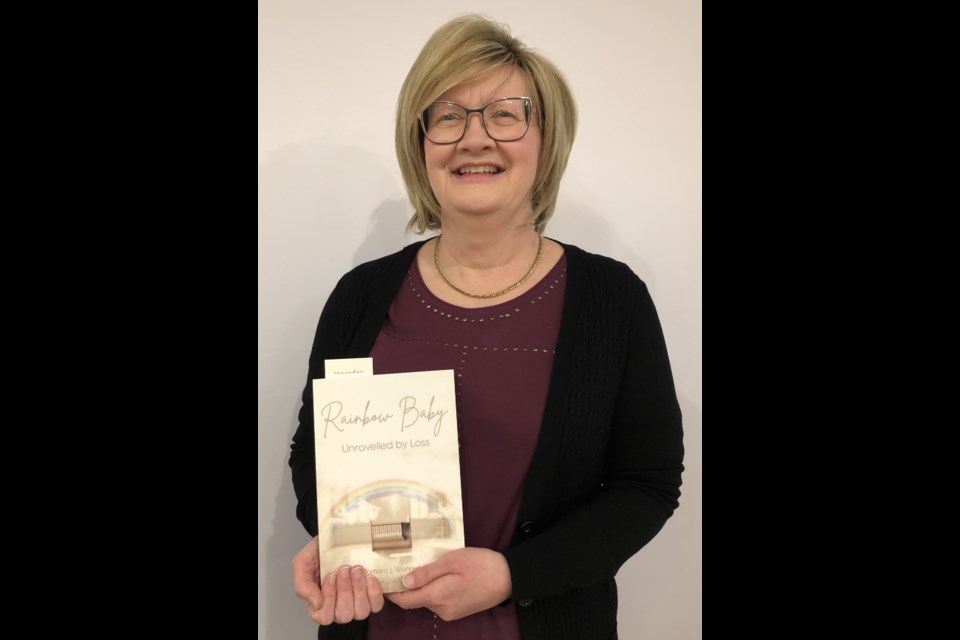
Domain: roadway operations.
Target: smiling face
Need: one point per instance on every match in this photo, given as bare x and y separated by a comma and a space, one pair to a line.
479, 176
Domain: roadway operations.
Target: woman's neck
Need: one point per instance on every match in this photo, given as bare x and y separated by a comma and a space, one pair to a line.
477, 260
481, 247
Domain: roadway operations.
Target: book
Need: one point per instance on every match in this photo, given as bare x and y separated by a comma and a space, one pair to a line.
388, 469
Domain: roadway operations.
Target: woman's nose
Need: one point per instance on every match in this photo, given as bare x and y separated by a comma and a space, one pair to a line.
475, 135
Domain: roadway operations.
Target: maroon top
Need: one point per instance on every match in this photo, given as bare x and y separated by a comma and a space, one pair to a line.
501, 356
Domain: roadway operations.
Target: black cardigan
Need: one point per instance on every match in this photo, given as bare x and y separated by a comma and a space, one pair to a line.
605, 475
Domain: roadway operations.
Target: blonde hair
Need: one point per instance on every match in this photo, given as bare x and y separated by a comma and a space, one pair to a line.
458, 51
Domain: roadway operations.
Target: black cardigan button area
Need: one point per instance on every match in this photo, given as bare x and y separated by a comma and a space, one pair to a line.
525, 603
526, 527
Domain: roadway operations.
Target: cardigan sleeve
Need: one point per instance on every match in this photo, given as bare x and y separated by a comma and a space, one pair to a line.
639, 483
348, 327
328, 342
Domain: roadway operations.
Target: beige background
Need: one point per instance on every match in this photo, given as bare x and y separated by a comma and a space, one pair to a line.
330, 196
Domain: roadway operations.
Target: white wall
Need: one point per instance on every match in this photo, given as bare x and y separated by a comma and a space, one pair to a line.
330, 196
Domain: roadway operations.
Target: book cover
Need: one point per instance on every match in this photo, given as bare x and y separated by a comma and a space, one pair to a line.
388, 469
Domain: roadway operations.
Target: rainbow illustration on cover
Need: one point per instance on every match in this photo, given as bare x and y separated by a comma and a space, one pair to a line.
388, 472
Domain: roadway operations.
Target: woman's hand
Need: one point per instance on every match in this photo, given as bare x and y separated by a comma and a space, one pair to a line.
347, 594
460, 583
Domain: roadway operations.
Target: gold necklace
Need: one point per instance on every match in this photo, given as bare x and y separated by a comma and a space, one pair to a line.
436, 261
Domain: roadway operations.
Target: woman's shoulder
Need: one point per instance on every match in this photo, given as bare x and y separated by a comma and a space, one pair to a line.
599, 268
608, 287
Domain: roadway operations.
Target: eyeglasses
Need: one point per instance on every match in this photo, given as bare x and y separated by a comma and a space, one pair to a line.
504, 120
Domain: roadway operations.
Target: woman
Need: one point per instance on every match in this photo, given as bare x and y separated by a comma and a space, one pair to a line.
570, 431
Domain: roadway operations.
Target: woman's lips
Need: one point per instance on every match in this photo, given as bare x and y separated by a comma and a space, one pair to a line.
478, 168
477, 172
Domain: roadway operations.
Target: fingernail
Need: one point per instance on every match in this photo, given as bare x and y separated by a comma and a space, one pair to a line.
345, 572
407, 581
313, 601
357, 572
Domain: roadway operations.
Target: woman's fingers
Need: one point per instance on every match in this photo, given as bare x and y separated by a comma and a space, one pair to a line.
329, 591
345, 595
343, 610
358, 584
375, 594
